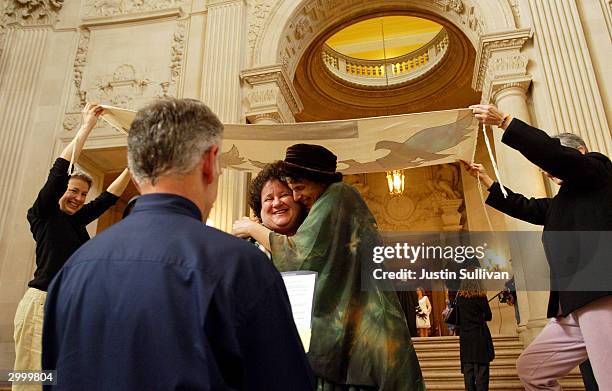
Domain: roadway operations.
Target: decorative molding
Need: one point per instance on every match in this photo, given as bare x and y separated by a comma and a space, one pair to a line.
314, 16
257, 13
455, 5
516, 11
78, 66
177, 54
122, 87
274, 117
219, 3
468, 12
89, 21
95, 10
500, 50
273, 75
499, 86
429, 203
71, 121
31, 12
606, 8
3, 32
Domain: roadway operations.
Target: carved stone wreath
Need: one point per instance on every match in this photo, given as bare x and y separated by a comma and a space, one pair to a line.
32, 11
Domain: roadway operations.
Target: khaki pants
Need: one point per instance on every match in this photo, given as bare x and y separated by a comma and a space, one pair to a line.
28, 334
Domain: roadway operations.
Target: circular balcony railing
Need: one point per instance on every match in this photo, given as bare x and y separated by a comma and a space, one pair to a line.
393, 71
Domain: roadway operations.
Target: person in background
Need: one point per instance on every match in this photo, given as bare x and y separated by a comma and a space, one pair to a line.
423, 311
57, 220
577, 233
475, 342
160, 301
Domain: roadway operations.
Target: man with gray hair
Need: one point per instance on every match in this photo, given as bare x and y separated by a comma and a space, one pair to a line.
160, 301
577, 238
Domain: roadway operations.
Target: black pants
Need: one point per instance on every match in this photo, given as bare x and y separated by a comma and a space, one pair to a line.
590, 384
475, 376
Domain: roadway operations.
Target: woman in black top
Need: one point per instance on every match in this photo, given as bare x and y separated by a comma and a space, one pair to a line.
475, 342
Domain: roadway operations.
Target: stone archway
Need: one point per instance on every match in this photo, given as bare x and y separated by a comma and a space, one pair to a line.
281, 32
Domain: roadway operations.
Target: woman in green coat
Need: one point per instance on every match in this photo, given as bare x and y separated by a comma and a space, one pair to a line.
360, 340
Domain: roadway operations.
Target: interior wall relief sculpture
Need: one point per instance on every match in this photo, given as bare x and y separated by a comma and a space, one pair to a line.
432, 200
106, 8
119, 81
31, 12
257, 14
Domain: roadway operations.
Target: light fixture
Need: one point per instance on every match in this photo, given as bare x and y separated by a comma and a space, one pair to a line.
395, 180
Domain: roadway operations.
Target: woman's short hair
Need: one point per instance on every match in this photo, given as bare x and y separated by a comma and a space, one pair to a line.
82, 176
272, 171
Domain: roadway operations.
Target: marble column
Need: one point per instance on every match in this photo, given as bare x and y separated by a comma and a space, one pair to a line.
576, 102
25, 47
270, 96
528, 259
224, 50
501, 74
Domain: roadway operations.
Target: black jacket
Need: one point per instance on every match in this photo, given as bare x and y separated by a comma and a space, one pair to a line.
584, 203
475, 342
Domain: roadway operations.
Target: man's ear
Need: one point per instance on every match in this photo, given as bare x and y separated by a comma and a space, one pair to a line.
582, 150
210, 164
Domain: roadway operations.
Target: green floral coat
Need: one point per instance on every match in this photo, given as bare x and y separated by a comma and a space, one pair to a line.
359, 333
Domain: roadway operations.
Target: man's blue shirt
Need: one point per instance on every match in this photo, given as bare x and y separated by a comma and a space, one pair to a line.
159, 301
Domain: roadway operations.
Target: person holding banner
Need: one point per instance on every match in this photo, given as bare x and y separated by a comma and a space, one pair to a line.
360, 339
57, 220
581, 319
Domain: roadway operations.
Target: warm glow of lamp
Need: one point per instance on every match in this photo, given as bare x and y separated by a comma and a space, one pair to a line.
395, 180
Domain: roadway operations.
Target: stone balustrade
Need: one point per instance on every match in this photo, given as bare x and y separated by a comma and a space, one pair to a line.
392, 71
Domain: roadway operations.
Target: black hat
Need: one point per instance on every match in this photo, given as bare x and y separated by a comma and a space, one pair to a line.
311, 161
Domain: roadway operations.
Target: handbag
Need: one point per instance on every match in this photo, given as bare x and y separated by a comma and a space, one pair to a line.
452, 315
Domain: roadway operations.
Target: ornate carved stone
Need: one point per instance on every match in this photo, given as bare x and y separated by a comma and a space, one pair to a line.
120, 88
71, 121
499, 58
257, 13
451, 217
314, 16
455, 5
497, 87
176, 58
31, 12
108, 8
79, 65
516, 13
269, 91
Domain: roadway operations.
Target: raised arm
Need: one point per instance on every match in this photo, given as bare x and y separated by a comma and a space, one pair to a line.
568, 164
89, 117
531, 210
118, 186
104, 201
